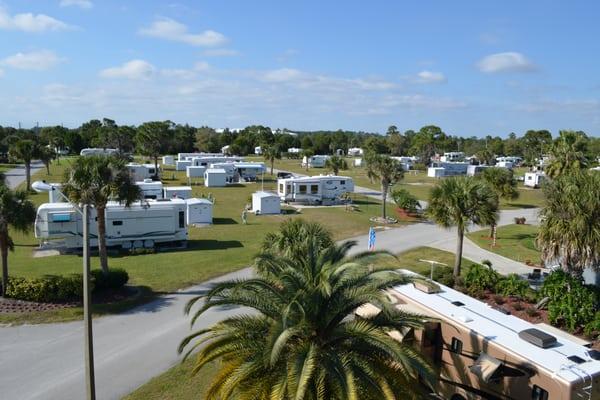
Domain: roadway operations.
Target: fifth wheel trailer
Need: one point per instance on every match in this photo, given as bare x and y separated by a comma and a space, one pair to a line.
142, 224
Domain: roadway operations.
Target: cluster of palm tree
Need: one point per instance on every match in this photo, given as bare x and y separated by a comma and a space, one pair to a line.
299, 337
28, 149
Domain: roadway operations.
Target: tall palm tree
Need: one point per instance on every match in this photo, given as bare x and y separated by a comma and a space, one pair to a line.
458, 201
567, 154
271, 153
16, 213
25, 150
570, 222
94, 181
304, 341
387, 171
46, 155
503, 183
335, 164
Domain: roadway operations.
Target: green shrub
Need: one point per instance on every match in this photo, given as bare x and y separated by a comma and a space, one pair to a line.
518, 306
498, 299
444, 276
592, 328
480, 277
405, 200
532, 311
47, 289
512, 285
115, 279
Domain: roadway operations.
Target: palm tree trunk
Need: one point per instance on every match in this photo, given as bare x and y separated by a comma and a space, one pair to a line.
384, 190
48, 168
272, 165
101, 212
28, 174
4, 255
156, 165
459, 251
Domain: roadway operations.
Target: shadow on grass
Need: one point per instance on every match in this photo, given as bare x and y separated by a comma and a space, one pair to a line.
213, 244
224, 221
521, 205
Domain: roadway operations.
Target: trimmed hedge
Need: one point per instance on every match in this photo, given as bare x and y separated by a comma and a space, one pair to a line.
55, 288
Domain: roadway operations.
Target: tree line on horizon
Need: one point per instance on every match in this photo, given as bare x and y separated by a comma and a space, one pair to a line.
166, 137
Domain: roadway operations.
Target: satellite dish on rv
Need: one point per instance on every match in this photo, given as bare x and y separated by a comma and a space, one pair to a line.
41, 186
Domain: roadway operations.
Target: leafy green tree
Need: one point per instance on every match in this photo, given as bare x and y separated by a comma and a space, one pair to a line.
271, 153
16, 214
405, 200
335, 164
25, 150
387, 171
95, 180
570, 222
304, 340
458, 201
428, 141
535, 143
485, 156
151, 138
502, 182
568, 154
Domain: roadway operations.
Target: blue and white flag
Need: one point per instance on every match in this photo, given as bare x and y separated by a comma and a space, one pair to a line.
371, 243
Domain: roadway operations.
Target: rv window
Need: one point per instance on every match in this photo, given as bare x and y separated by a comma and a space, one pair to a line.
151, 170
314, 189
281, 188
302, 189
456, 346
117, 222
537, 393
181, 219
342, 182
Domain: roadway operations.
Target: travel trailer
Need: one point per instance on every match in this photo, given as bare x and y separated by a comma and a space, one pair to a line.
266, 203
448, 169
315, 161
406, 162
516, 161
453, 156
142, 224
185, 156
534, 179
355, 152
139, 172
151, 189
199, 211
177, 192
479, 352
97, 152
258, 150
207, 161
249, 171
322, 189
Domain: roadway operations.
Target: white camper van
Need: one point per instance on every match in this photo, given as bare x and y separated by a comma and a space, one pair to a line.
322, 189
143, 224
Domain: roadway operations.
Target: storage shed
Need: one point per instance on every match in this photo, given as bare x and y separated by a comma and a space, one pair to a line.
194, 172
181, 192
199, 211
266, 203
215, 177
168, 160
182, 165
436, 172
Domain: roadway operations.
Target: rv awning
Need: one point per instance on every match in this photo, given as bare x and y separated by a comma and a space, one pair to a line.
485, 367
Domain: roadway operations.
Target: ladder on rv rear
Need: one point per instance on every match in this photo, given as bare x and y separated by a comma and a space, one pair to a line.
586, 391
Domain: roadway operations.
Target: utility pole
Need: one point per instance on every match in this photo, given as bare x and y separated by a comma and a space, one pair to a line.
90, 385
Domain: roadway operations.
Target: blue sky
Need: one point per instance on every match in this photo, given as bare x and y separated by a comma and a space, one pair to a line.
471, 67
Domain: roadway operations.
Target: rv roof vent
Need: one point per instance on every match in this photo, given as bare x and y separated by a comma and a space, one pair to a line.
537, 338
595, 354
458, 303
576, 359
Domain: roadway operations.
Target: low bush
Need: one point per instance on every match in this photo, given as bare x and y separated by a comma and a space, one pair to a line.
499, 299
406, 201
444, 276
532, 312
518, 306
480, 278
47, 289
512, 285
592, 328
115, 279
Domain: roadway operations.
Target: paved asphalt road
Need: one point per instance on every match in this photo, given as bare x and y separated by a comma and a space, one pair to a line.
16, 176
46, 361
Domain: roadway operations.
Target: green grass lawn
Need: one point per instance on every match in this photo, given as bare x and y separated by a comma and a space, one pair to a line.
516, 242
416, 182
178, 382
225, 246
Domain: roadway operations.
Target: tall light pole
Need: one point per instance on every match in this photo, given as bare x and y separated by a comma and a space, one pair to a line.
90, 384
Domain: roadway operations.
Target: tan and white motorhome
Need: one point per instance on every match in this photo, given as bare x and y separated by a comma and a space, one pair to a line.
482, 353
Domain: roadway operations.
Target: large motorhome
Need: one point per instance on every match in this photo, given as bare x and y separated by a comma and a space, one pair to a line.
142, 224
322, 189
453, 156
97, 152
479, 352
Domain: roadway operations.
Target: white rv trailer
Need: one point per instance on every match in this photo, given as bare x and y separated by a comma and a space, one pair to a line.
317, 161
294, 150
453, 156
177, 192
482, 353
322, 189
96, 151
199, 211
505, 164
534, 179
258, 150
151, 189
249, 171
355, 152
143, 224
449, 169
185, 156
510, 159
406, 162
266, 203
139, 172
168, 160
207, 161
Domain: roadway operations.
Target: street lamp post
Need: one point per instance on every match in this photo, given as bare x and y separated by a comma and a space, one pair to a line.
90, 384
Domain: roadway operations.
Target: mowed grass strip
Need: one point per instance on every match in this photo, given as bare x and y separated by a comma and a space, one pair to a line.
516, 242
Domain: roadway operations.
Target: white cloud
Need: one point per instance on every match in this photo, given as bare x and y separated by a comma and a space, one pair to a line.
430, 77
505, 62
134, 69
1, 73
282, 75
86, 4
36, 60
169, 29
201, 66
28, 22
220, 53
